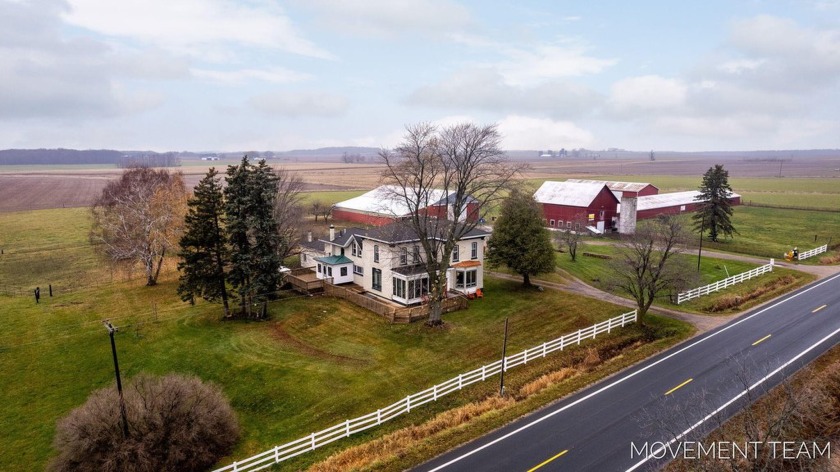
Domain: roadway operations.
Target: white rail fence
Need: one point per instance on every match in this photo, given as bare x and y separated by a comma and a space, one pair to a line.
342, 430
727, 282
813, 252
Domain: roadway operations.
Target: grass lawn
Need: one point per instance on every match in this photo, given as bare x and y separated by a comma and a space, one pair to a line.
770, 232
317, 362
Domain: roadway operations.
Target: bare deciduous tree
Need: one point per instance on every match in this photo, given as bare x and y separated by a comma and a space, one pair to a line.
571, 239
316, 208
288, 210
646, 266
140, 217
461, 164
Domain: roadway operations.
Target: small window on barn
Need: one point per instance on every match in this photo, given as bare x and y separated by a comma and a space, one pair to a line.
569, 224
551, 223
559, 223
682, 207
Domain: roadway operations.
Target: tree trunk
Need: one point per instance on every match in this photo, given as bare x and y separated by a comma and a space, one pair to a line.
159, 265
150, 279
436, 296
526, 279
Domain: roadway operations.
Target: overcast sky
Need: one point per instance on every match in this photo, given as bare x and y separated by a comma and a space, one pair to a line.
266, 75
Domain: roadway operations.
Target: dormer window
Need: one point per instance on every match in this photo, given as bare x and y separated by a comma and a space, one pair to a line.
375, 253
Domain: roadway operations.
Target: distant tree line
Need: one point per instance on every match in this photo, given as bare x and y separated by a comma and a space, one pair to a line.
167, 159
58, 156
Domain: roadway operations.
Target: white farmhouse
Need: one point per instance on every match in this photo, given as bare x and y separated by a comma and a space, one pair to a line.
388, 262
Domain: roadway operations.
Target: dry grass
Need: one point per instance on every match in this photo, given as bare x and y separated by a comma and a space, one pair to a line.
830, 259
546, 381
395, 443
734, 300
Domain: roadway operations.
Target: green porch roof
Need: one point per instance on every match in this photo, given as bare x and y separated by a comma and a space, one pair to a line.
334, 260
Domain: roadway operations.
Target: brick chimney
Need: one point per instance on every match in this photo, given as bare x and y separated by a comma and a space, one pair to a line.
332, 232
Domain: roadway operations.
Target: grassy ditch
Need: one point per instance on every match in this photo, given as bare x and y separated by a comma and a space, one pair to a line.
478, 409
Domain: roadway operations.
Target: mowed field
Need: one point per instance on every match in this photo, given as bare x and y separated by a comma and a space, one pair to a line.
813, 183
276, 373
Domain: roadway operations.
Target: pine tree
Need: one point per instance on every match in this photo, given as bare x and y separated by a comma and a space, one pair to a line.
252, 232
714, 209
204, 253
519, 238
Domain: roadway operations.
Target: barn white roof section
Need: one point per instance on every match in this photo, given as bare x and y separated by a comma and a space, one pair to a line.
386, 200
576, 194
615, 186
665, 200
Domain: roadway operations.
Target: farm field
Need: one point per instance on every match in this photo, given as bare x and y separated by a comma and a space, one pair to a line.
55, 353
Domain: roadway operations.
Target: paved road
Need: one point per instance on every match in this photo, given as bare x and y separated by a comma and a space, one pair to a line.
593, 429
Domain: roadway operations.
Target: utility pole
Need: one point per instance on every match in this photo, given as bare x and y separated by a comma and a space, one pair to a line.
504, 353
700, 250
111, 330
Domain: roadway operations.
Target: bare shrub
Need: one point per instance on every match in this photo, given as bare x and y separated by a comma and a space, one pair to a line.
176, 423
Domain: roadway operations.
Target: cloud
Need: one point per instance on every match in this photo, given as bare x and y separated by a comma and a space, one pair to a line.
45, 75
276, 75
650, 93
540, 62
299, 104
194, 26
523, 132
486, 89
391, 17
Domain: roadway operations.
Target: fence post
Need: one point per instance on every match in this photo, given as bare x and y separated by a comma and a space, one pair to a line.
276, 454
313, 442
434, 392
460, 381
525, 356
483, 375
408, 403
578, 341
347, 428
544, 350
235, 467
378, 416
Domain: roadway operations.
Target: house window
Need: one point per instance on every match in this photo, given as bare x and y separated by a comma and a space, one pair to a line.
403, 256
342, 251
465, 278
319, 268
376, 278
415, 256
329, 271
303, 257
399, 287
474, 250
418, 287
358, 270
551, 223
455, 256
376, 253
344, 271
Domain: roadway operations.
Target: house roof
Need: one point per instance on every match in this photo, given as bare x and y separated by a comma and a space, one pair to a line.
387, 200
576, 194
400, 232
664, 200
316, 245
334, 260
466, 264
343, 237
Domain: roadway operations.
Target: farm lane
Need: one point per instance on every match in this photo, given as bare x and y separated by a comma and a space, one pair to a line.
574, 285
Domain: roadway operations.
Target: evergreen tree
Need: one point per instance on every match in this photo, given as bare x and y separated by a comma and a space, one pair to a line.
204, 253
714, 209
519, 238
252, 233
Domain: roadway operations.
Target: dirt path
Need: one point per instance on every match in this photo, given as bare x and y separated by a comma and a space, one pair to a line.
573, 285
703, 323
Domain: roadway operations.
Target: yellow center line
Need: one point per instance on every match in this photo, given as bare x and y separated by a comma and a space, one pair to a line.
547, 461
762, 339
678, 386
820, 308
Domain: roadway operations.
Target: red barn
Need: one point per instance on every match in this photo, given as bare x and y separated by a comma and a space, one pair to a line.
565, 203
384, 204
